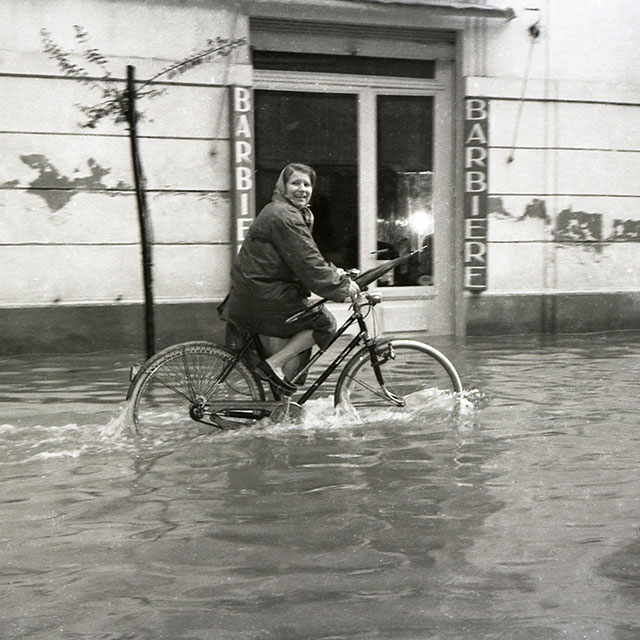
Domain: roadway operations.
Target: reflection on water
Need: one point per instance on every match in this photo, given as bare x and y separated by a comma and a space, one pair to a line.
511, 518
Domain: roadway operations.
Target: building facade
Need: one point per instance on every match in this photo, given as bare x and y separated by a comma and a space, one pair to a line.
501, 139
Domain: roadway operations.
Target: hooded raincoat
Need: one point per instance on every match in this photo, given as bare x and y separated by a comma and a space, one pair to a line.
275, 271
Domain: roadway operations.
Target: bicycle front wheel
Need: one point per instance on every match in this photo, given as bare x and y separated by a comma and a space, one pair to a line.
175, 380
409, 372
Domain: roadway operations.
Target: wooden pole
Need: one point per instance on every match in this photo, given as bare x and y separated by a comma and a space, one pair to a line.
141, 200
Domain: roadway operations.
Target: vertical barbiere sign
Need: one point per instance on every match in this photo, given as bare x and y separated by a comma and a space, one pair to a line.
476, 151
242, 148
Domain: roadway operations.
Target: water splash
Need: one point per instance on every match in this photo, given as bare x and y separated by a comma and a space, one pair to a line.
426, 409
118, 426
24, 443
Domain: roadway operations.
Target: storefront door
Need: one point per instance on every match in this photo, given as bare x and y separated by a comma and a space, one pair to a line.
382, 149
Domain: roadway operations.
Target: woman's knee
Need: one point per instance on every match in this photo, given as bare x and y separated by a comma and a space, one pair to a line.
324, 328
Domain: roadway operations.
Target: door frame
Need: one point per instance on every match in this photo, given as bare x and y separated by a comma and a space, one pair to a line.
411, 308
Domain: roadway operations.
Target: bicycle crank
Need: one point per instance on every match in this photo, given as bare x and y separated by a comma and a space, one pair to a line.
286, 411
198, 412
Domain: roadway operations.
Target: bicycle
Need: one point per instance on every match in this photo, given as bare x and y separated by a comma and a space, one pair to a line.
203, 382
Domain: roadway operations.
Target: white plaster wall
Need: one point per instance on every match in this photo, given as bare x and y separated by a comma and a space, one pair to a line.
564, 135
574, 140
68, 218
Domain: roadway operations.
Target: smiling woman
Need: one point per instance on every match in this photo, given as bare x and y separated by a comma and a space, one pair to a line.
277, 268
298, 186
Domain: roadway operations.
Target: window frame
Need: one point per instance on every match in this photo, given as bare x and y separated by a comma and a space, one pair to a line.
367, 88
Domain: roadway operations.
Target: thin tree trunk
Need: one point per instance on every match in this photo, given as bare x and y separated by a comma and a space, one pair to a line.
141, 200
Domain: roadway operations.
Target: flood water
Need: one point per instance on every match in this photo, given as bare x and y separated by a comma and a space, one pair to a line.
511, 514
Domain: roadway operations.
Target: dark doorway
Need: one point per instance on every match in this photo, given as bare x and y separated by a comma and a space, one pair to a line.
318, 129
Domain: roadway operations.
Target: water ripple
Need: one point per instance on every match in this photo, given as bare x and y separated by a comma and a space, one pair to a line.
509, 512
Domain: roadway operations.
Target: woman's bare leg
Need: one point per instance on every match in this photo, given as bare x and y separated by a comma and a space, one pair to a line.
297, 344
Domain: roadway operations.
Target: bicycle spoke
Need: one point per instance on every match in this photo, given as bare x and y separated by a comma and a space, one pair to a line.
376, 391
172, 387
187, 375
206, 378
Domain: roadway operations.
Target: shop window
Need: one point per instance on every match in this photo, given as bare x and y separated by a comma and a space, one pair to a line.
405, 187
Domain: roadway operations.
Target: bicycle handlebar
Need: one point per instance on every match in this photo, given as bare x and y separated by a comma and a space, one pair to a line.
371, 298
363, 280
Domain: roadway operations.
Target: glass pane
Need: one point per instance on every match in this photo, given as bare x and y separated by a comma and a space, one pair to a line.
405, 187
320, 130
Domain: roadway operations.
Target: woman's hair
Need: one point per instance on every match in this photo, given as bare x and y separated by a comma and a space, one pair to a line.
302, 168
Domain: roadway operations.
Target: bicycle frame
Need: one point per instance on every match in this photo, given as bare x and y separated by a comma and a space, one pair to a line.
244, 407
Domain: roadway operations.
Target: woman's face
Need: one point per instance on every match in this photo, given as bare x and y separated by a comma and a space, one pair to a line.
298, 188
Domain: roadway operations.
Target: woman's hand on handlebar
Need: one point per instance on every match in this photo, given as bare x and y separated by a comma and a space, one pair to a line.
354, 290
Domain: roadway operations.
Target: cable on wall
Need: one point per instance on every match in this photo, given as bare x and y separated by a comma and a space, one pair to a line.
534, 33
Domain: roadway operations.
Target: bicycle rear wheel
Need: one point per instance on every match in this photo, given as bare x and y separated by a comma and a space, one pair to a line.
175, 380
411, 371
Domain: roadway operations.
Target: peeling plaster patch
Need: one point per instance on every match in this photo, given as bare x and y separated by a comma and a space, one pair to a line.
56, 189
578, 226
626, 230
537, 209
495, 205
